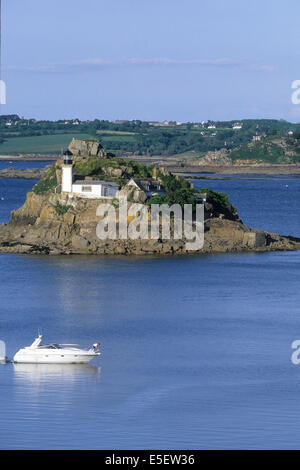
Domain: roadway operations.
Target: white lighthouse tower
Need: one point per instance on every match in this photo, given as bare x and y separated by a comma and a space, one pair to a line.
67, 173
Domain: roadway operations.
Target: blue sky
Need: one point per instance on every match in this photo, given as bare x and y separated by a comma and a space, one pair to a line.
186, 60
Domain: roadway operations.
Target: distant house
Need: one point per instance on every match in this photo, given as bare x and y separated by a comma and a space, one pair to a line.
290, 133
159, 123
150, 186
154, 123
259, 136
120, 121
237, 126
211, 126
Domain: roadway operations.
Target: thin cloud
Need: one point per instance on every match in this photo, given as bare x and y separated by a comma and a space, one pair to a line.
263, 67
101, 64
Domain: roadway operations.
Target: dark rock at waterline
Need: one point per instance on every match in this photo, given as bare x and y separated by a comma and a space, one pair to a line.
30, 173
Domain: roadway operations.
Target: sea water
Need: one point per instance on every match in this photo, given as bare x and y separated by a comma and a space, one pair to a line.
196, 350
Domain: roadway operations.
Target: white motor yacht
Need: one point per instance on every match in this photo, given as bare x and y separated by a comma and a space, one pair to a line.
55, 353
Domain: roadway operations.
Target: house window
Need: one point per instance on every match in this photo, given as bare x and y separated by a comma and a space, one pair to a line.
86, 189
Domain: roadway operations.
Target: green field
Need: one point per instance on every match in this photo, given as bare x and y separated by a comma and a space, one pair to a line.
45, 144
105, 139
103, 132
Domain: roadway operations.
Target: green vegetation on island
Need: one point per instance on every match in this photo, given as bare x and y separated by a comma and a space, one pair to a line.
219, 201
47, 182
178, 191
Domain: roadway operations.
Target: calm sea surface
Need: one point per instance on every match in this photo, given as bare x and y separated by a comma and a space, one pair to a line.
196, 350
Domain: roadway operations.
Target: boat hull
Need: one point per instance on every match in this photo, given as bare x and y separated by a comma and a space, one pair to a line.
33, 358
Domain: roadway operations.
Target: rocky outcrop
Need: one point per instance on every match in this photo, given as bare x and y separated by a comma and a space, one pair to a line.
87, 148
31, 173
134, 194
56, 224
219, 157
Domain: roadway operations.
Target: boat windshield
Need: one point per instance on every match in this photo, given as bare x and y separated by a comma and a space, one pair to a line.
50, 346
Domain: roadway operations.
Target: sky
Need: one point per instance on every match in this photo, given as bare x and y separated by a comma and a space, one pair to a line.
188, 60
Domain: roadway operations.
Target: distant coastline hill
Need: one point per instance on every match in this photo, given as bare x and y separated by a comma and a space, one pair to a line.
267, 140
274, 149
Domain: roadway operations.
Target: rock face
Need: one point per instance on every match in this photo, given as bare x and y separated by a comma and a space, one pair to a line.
87, 148
54, 224
219, 157
30, 173
134, 194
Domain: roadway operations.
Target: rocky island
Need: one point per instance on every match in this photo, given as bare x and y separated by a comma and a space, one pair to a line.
60, 213
29, 173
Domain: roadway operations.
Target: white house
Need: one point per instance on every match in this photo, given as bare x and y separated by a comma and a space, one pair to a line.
92, 189
237, 125
95, 189
259, 136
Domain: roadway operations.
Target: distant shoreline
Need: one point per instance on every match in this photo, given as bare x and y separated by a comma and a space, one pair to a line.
186, 169
29, 158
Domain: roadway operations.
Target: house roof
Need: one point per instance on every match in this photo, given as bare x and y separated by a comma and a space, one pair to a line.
140, 182
96, 182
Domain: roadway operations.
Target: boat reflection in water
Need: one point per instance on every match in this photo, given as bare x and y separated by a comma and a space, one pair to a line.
55, 387
47, 373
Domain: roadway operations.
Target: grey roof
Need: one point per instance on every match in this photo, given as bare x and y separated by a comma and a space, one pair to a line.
140, 182
91, 182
